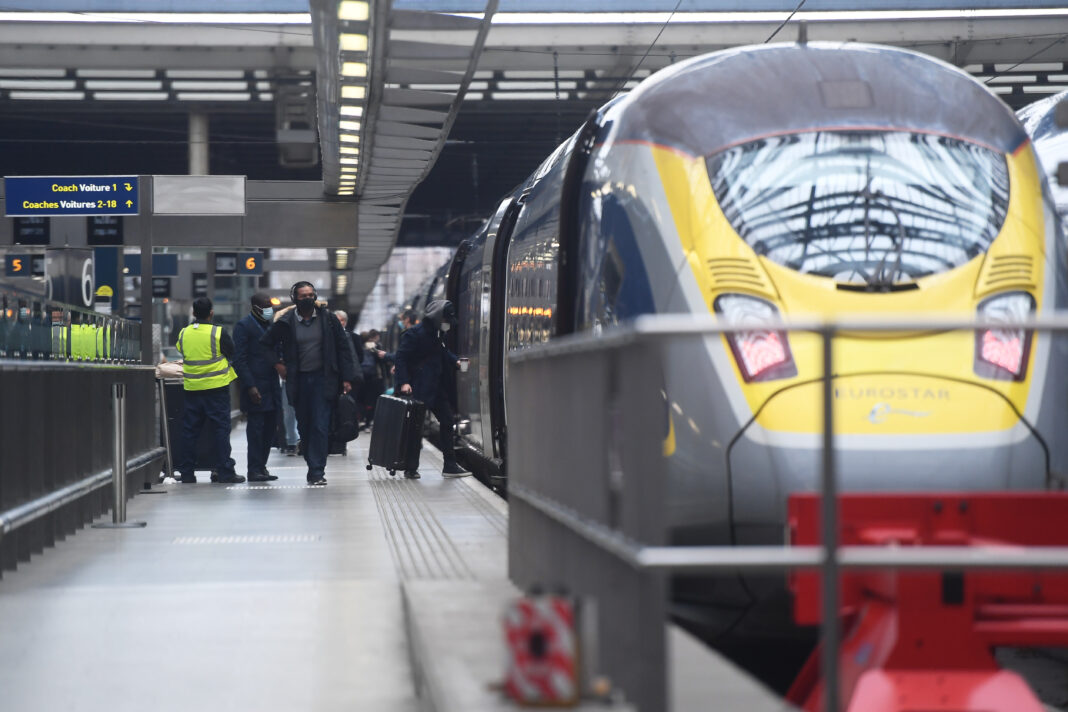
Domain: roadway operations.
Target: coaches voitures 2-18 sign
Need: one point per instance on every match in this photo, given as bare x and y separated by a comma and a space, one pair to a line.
70, 195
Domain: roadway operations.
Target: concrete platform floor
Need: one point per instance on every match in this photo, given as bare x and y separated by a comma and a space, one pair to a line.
245, 597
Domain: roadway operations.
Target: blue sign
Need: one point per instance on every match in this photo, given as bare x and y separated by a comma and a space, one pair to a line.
18, 265
162, 265
70, 195
250, 263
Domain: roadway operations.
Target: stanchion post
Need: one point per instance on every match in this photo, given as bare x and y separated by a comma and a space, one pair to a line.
829, 519
118, 462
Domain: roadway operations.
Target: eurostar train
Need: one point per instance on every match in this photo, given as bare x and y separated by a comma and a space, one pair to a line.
788, 180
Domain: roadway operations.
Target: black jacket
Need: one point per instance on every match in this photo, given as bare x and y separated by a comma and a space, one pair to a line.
254, 364
338, 358
421, 359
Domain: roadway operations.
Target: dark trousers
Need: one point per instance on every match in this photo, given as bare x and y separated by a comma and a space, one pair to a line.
210, 407
442, 410
262, 426
313, 418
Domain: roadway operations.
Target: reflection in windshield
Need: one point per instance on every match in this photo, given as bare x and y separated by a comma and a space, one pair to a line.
869, 208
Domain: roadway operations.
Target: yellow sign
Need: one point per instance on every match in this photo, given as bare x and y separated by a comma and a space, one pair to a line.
105, 291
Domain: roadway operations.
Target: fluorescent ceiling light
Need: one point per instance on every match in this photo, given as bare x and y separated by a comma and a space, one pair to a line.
36, 83
353, 43
117, 73
176, 18
205, 73
349, 125
209, 86
213, 96
350, 150
357, 10
350, 161
349, 138
354, 69
130, 95
356, 111
353, 92
122, 84
47, 95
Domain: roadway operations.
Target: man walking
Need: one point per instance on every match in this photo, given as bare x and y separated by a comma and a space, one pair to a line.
259, 368
319, 365
206, 349
421, 360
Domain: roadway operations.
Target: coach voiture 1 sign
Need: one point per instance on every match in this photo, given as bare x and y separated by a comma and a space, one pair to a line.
33, 196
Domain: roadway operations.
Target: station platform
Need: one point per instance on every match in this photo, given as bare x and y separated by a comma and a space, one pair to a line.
372, 593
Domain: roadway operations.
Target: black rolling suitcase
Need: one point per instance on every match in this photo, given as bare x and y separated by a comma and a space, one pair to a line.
396, 434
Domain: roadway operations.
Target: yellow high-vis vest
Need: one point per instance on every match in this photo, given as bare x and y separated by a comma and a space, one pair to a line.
203, 363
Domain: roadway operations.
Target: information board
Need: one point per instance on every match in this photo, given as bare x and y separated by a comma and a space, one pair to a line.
70, 195
104, 230
250, 263
32, 231
18, 265
161, 286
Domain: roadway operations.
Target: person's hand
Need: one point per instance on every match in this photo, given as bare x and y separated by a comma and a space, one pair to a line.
457, 365
346, 386
406, 389
254, 395
381, 354
281, 369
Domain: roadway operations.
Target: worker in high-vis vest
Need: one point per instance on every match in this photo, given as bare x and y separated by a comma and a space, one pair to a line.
206, 350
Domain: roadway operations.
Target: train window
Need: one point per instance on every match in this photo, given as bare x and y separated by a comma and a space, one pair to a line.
866, 207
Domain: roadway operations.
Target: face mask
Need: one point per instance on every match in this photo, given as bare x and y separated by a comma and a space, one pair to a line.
446, 326
267, 312
306, 304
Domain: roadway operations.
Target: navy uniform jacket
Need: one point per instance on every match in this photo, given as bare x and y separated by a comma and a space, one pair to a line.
421, 359
254, 364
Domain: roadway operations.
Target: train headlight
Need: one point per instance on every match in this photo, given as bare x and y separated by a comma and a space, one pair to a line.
1002, 353
761, 354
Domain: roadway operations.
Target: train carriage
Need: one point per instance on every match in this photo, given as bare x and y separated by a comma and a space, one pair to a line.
789, 181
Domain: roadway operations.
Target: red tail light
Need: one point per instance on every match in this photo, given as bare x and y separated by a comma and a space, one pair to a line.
1002, 353
761, 354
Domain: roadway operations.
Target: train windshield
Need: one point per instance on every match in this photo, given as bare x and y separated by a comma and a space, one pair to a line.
870, 208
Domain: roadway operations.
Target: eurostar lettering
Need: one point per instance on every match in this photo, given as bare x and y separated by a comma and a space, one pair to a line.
888, 392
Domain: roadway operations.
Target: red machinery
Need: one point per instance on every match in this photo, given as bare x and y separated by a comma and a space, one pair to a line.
923, 639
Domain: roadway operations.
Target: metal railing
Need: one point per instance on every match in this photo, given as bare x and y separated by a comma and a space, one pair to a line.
587, 514
33, 328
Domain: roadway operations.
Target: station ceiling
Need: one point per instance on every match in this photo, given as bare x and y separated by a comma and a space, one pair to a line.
112, 96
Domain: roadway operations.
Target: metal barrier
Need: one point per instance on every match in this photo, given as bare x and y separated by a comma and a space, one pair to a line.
587, 507
55, 459
33, 328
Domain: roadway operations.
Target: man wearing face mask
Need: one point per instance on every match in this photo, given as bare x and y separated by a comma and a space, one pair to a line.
421, 359
319, 365
258, 367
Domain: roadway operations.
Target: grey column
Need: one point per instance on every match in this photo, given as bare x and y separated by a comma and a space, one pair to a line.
198, 144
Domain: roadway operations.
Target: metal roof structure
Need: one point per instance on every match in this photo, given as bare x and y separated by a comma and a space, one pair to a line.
544, 66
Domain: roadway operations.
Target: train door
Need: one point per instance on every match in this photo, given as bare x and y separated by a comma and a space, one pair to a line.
492, 345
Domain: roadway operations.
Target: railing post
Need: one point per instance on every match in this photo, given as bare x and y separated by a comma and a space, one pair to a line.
829, 522
118, 460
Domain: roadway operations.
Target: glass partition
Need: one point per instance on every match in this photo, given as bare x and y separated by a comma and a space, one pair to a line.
33, 328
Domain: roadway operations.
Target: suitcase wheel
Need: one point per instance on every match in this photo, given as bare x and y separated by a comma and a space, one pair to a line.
369, 466
392, 473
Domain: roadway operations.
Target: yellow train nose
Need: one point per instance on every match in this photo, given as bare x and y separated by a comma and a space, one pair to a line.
891, 404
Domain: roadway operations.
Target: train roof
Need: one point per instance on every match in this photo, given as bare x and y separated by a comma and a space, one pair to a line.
709, 103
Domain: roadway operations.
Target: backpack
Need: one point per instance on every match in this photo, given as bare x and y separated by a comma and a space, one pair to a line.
346, 426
